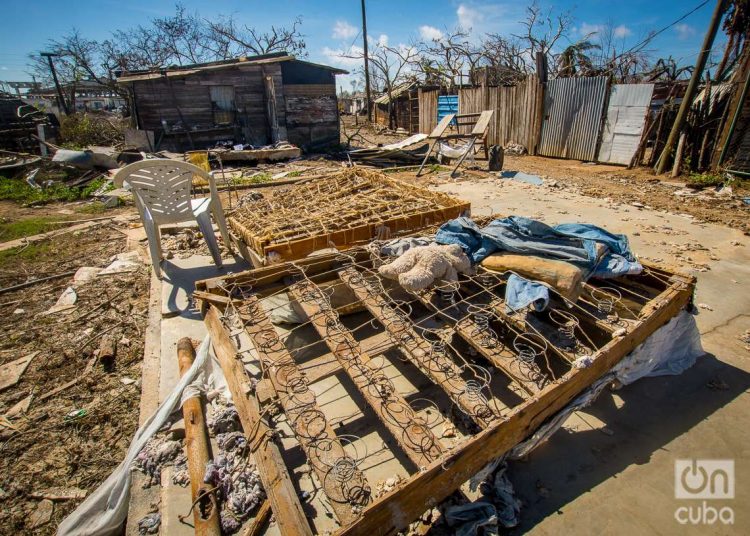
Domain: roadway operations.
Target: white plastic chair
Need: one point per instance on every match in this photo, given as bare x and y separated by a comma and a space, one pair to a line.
161, 188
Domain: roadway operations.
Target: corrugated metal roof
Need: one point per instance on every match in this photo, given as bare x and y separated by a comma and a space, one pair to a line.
573, 109
626, 114
396, 92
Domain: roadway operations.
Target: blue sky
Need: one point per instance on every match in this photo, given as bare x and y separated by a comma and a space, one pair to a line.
332, 26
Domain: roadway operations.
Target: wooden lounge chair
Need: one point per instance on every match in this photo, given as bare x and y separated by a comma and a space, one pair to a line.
480, 125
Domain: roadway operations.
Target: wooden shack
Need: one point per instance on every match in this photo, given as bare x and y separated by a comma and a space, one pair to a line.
405, 108
254, 100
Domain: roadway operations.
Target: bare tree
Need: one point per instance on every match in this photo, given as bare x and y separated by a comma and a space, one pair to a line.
247, 40
178, 39
389, 67
542, 31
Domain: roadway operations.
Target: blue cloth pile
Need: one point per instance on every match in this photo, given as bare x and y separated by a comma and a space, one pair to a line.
595, 250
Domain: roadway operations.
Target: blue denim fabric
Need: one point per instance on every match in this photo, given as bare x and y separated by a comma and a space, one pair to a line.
520, 292
570, 242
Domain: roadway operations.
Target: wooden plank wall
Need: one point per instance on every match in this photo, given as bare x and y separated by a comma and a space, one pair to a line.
428, 101
312, 114
158, 100
517, 111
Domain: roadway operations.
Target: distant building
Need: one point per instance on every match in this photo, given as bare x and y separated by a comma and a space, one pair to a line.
353, 104
88, 96
255, 100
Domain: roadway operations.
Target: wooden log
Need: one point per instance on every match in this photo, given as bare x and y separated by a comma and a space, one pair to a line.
273, 472
198, 450
677, 167
107, 350
410, 432
395, 510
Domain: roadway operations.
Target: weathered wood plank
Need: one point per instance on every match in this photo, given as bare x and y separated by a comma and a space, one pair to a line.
314, 433
273, 472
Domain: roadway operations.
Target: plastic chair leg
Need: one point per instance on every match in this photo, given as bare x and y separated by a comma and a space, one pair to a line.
221, 222
154, 245
204, 223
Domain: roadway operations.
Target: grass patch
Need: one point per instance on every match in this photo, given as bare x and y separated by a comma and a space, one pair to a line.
96, 207
705, 180
11, 256
255, 179
26, 227
19, 191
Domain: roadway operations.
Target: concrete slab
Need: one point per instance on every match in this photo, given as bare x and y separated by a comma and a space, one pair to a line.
611, 469
179, 277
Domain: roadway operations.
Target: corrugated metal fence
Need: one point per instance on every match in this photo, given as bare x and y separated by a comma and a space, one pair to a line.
623, 127
447, 104
517, 109
573, 109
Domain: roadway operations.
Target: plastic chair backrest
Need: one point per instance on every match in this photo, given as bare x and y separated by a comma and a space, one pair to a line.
162, 186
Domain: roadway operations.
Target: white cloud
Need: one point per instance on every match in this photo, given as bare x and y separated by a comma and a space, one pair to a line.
430, 33
343, 30
339, 56
684, 31
383, 40
622, 31
467, 16
483, 17
590, 30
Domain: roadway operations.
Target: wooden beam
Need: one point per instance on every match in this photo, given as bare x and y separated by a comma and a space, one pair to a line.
441, 369
324, 451
198, 451
410, 431
395, 510
273, 472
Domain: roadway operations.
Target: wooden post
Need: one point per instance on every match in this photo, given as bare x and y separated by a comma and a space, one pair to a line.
678, 156
687, 100
273, 472
197, 447
270, 94
367, 63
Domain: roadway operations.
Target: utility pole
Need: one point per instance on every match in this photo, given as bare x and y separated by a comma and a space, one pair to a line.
367, 63
60, 97
695, 79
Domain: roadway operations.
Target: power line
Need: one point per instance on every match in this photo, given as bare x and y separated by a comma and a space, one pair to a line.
651, 37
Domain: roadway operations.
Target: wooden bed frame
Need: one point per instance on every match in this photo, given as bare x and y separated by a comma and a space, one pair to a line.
608, 329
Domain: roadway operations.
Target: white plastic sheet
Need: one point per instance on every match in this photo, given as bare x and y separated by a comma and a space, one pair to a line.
105, 510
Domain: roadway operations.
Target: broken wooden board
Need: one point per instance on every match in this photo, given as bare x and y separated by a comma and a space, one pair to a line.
10, 373
468, 340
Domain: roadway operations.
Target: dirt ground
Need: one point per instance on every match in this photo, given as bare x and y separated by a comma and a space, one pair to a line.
622, 185
71, 440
